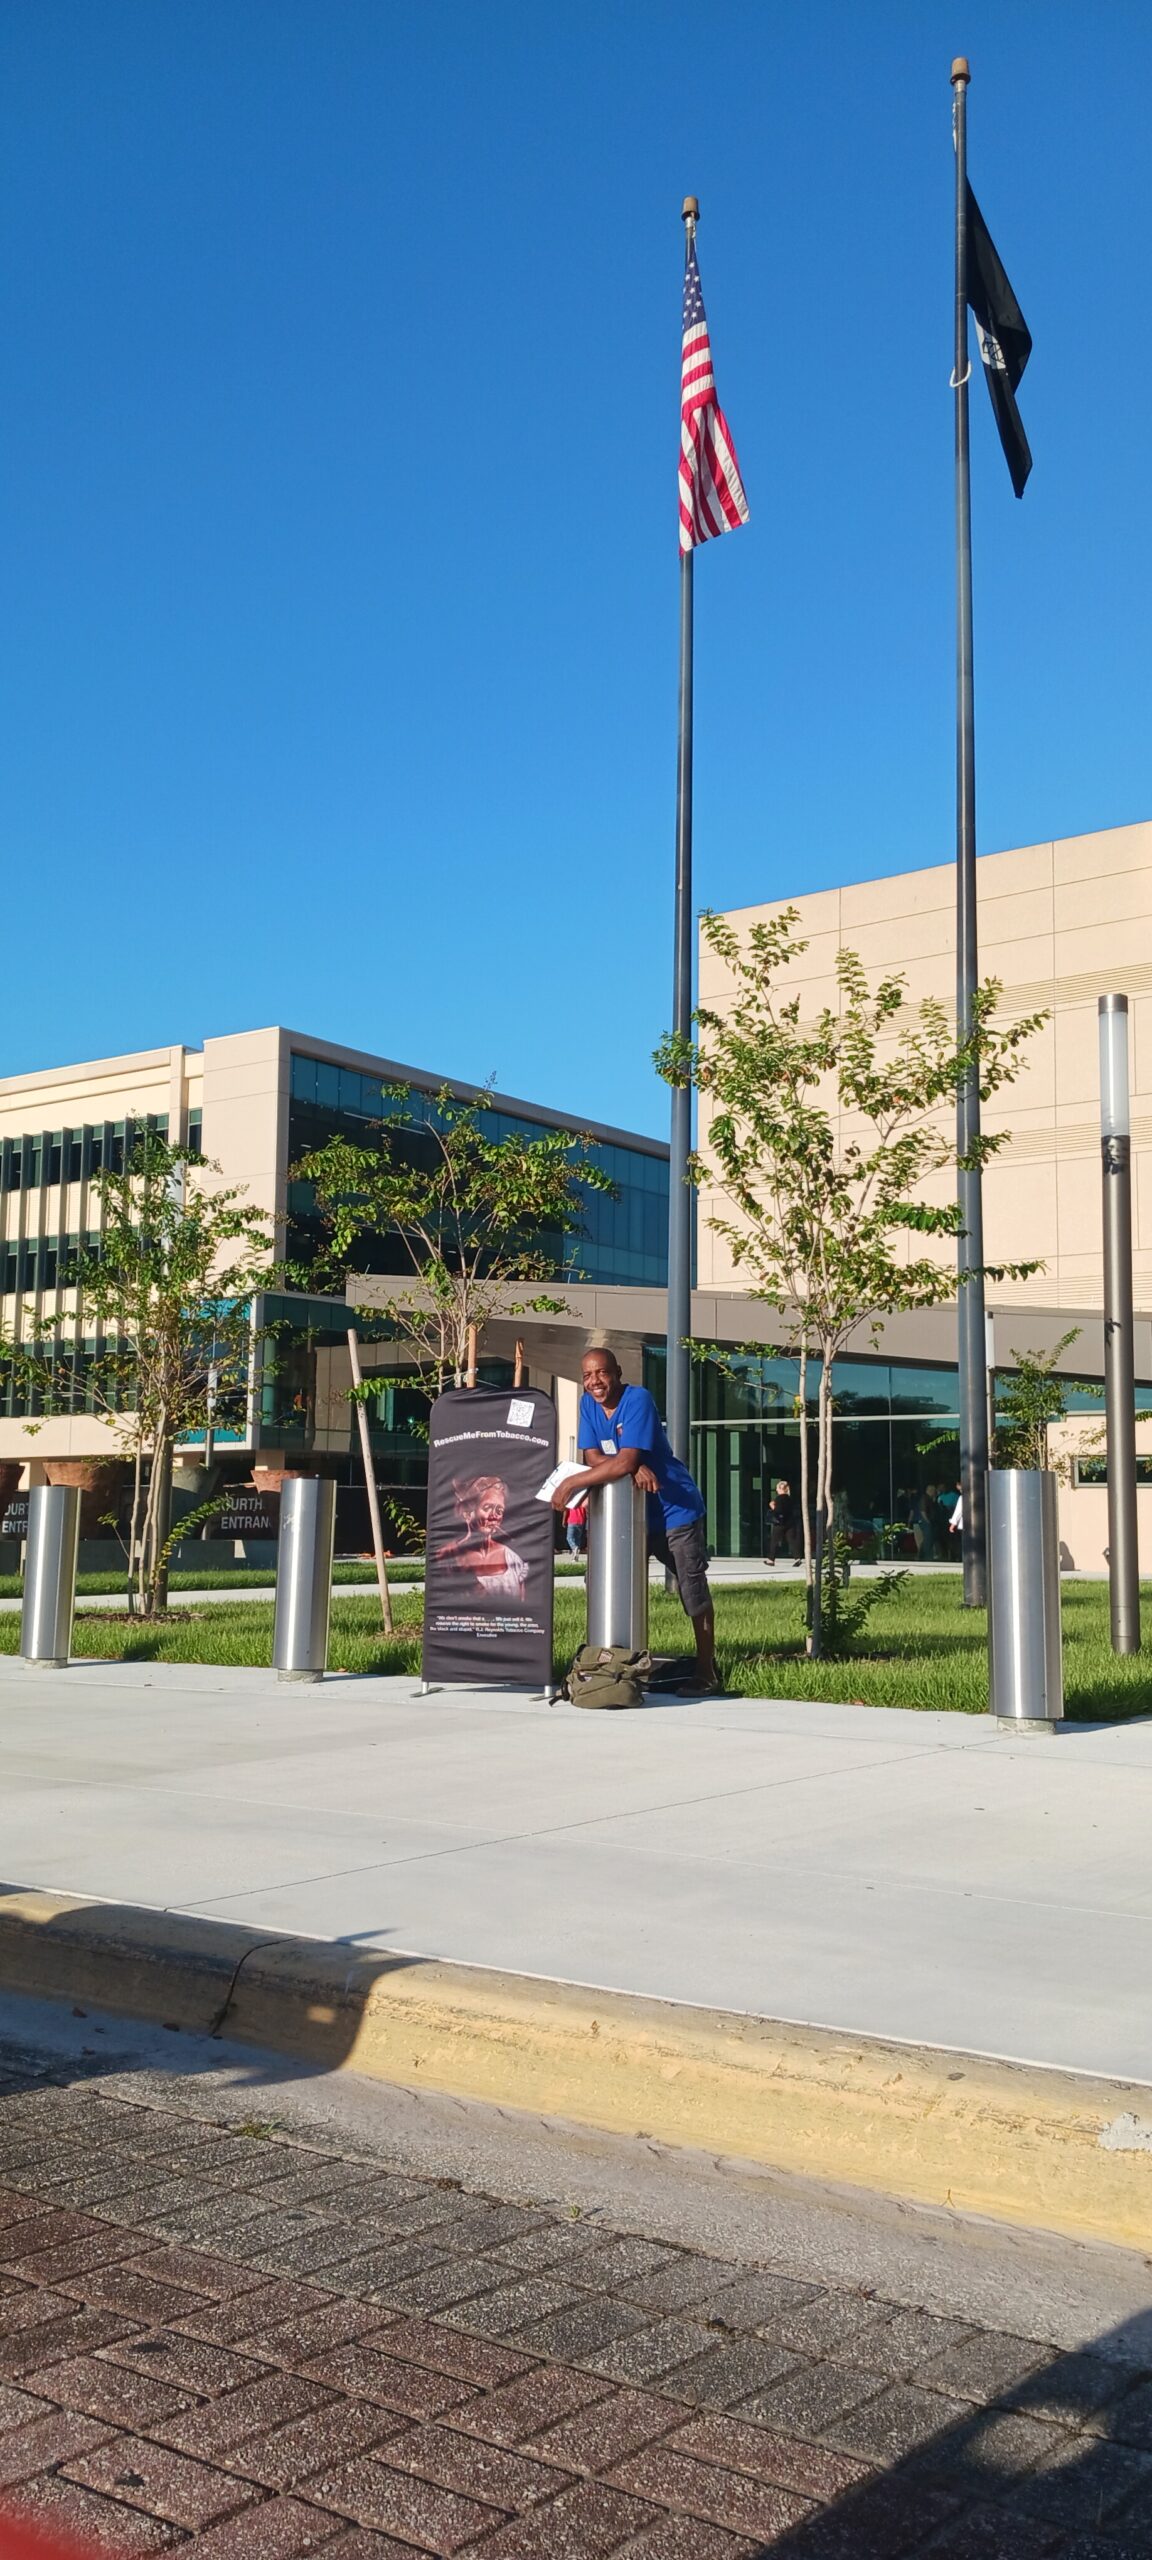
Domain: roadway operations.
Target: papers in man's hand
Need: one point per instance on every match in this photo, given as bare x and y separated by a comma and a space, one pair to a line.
559, 1476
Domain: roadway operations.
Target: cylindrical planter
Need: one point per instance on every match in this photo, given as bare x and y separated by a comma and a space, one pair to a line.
304, 1578
617, 1565
1025, 1654
272, 1479
50, 1574
98, 1481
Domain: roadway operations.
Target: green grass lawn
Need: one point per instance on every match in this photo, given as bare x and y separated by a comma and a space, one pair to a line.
401, 1569
921, 1649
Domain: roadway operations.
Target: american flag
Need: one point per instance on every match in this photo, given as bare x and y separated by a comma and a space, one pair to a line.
712, 496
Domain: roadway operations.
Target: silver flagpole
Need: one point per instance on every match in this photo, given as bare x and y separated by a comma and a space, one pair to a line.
680, 1194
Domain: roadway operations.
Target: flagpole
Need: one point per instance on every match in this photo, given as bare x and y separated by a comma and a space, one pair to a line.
972, 1349
680, 1195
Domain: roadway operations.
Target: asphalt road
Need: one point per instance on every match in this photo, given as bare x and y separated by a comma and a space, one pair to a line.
278, 2314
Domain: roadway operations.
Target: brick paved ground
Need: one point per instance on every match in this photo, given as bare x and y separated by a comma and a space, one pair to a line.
276, 2349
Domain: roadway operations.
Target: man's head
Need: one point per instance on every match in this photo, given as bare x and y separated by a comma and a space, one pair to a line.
601, 1374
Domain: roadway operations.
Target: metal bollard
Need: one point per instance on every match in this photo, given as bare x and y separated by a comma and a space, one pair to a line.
618, 1565
304, 1578
50, 1574
1025, 1656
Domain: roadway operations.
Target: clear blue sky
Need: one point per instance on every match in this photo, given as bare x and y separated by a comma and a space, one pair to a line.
340, 352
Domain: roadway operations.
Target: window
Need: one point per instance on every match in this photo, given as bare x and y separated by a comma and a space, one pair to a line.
620, 1239
1094, 1471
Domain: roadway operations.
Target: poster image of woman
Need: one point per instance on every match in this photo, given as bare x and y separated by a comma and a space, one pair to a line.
496, 1571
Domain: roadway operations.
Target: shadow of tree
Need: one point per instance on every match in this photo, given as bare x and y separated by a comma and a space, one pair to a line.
887, 2445
998, 2449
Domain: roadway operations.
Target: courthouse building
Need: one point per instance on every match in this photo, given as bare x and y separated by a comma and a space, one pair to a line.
1060, 924
253, 1103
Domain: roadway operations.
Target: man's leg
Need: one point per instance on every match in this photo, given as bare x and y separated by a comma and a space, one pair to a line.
704, 1630
689, 1552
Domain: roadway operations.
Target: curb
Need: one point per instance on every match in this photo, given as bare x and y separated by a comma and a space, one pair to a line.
1044, 2149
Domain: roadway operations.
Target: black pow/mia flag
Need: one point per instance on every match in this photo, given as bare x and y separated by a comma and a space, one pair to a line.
1005, 340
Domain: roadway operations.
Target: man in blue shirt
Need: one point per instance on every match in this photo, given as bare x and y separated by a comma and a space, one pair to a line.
620, 1434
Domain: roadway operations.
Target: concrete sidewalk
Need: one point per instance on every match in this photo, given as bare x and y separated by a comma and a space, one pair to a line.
911, 1877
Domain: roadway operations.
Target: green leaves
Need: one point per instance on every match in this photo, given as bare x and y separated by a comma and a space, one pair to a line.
1028, 1402
471, 1216
165, 1302
827, 1151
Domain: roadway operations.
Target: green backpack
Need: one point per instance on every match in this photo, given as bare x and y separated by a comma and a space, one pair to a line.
608, 1676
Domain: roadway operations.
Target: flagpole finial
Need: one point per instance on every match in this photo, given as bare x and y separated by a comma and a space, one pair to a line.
960, 72
690, 210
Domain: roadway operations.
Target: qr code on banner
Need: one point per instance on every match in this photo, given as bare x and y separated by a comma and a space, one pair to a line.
520, 1414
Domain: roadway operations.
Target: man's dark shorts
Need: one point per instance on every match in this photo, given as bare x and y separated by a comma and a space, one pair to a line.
684, 1554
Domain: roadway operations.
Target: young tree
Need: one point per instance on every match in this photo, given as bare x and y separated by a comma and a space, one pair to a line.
474, 1217
167, 1294
1028, 1401
821, 1136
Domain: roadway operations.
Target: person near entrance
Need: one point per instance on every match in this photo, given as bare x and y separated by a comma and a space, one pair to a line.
620, 1434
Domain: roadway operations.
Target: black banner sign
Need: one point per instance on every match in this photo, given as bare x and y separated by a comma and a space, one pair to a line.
491, 1545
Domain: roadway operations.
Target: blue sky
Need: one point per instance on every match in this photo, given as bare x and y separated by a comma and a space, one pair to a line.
337, 498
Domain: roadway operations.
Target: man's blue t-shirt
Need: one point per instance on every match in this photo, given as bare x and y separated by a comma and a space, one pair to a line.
637, 1425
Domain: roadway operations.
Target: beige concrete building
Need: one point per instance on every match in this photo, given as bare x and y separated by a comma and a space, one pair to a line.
1060, 925
253, 1103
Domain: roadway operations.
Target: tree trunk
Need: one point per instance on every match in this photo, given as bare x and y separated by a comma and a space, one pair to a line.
811, 1587
153, 1566
823, 1483
824, 1492
136, 1529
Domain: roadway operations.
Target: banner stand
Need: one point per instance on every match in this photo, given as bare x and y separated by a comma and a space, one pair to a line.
432, 1688
489, 1577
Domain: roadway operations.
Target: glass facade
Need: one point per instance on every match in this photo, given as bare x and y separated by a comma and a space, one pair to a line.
40, 1158
299, 1328
896, 1454
623, 1238
36, 1260
895, 1447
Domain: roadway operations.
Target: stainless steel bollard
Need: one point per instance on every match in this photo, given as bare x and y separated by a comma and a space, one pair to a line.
1025, 1656
304, 1578
618, 1565
50, 1573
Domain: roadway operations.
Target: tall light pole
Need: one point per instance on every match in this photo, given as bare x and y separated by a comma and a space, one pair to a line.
1119, 1358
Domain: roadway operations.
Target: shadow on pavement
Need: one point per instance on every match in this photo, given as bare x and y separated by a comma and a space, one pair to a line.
1056, 2464
292, 2001
884, 2445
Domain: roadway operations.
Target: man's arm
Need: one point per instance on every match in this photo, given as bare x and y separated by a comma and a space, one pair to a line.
600, 1469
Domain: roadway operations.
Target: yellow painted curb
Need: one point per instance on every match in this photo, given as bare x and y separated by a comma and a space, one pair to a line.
1046, 2149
